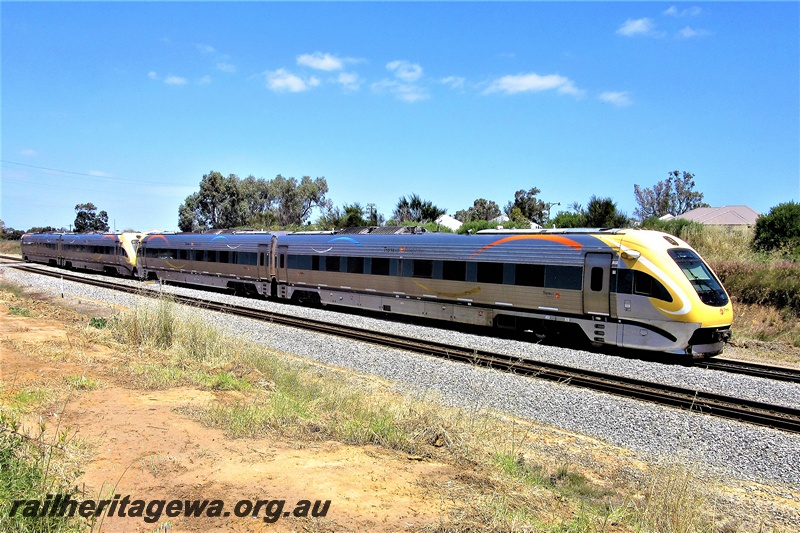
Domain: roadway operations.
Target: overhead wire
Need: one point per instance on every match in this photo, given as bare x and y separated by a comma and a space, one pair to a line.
92, 176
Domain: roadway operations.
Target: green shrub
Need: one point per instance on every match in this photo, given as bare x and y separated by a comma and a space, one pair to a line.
478, 225
567, 219
675, 226
775, 284
98, 322
27, 473
717, 244
779, 230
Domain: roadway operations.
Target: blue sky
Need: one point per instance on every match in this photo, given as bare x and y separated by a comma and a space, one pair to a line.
127, 105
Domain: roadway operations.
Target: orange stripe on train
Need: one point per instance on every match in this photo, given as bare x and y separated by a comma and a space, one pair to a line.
552, 238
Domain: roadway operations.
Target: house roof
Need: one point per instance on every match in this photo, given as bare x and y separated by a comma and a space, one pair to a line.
730, 215
449, 222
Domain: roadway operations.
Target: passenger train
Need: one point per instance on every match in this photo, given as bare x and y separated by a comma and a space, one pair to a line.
626, 287
112, 253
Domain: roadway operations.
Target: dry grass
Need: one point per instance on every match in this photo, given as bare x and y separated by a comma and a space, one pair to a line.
722, 244
761, 323
10, 247
513, 485
509, 480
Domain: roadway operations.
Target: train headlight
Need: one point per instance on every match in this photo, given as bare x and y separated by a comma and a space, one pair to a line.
631, 254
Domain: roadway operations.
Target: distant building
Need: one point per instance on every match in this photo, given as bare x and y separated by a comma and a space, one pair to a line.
448, 222
728, 216
502, 219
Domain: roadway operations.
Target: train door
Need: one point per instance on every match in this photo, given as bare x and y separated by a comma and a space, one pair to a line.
263, 262
596, 276
282, 258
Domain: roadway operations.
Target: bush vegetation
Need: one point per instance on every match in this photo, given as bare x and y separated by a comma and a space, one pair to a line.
28, 472
478, 225
779, 230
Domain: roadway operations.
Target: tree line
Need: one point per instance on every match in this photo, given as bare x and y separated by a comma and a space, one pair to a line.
257, 203
230, 202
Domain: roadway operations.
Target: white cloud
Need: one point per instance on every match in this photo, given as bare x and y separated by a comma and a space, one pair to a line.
205, 80
206, 49
673, 11
282, 80
410, 93
406, 92
403, 86
532, 82
226, 67
405, 70
349, 80
100, 174
175, 80
633, 27
619, 99
152, 75
689, 32
28, 153
454, 82
321, 61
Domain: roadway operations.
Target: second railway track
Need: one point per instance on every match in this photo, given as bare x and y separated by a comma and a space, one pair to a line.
775, 416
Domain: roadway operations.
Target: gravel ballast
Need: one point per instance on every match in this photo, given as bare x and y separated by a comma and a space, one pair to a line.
727, 447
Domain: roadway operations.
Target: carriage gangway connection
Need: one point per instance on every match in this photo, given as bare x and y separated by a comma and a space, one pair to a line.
743, 410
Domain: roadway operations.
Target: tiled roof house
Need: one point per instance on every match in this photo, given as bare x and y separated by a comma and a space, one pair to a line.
730, 215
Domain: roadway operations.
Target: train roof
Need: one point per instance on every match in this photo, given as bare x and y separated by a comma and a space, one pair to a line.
203, 238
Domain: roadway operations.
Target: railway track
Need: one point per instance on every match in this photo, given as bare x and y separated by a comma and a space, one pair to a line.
777, 373
775, 416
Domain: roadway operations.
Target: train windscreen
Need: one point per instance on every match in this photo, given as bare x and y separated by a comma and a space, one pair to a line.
703, 280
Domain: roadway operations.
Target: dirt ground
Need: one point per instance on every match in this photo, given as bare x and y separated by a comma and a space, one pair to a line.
142, 443
144, 448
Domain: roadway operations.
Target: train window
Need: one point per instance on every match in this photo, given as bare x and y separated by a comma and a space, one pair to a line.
380, 266
314, 262
211, 256
223, 256
300, 262
405, 267
282, 261
246, 258
333, 263
183, 254
454, 270
641, 283
422, 268
261, 259
703, 280
596, 282
563, 277
647, 285
529, 275
355, 265
490, 273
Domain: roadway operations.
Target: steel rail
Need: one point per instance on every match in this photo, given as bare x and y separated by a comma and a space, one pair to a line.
778, 373
754, 412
